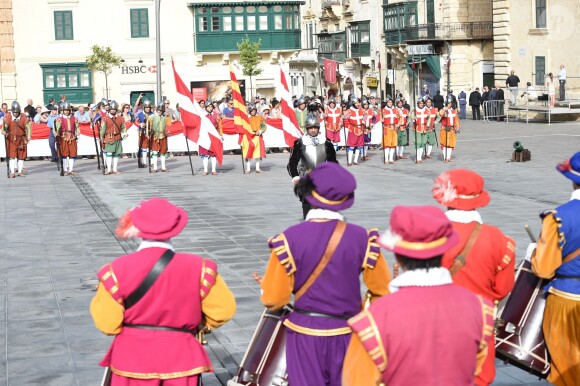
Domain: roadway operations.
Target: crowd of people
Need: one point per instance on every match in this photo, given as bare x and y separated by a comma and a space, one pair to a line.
429, 323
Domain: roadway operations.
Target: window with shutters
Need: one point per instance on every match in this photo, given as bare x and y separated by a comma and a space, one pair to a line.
540, 70
140, 23
540, 13
63, 25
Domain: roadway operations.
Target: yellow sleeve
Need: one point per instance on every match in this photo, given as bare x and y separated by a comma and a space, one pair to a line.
277, 285
107, 313
480, 359
548, 255
358, 368
219, 305
377, 279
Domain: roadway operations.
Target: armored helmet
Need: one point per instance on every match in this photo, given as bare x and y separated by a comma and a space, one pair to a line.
312, 121
113, 105
15, 107
66, 106
104, 102
146, 103
301, 101
427, 97
160, 106
449, 99
60, 106
365, 102
208, 101
420, 100
399, 100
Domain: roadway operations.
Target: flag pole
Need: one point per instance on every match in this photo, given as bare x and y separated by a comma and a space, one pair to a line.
188, 152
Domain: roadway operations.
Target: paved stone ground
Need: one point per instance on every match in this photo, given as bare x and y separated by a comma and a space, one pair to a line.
57, 232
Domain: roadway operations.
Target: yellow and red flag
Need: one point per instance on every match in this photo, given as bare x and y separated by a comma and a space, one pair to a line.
241, 120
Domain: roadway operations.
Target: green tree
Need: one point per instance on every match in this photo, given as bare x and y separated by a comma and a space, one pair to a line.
103, 59
250, 58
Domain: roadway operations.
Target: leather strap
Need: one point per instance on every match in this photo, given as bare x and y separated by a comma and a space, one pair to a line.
330, 248
559, 276
571, 256
320, 314
460, 259
149, 280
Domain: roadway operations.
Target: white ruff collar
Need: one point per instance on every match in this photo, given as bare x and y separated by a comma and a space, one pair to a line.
316, 214
575, 195
421, 278
463, 216
307, 140
166, 244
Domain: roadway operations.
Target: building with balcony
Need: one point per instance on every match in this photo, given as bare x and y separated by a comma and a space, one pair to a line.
44, 48
446, 45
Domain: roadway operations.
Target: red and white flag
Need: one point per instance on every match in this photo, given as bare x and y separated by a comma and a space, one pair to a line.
330, 67
289, 122
197, 127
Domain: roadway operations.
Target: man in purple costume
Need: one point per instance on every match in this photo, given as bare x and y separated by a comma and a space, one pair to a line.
318, 334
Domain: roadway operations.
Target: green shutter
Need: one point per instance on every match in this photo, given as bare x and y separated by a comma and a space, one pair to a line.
139, 23
63, 25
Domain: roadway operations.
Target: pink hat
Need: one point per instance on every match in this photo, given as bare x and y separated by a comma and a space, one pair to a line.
153, 219
419, 232
460, 189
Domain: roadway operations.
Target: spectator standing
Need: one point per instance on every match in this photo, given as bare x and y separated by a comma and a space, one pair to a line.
51, 138
492, 105
42, 116
169, 112
551, 89
499, 97
475, 101
30, 110
81, 115
453, 98
229, 109
4, 111
462, 105
512, 83
425, 90
438, 100
405, 104
37, 114
562, 79
50, 104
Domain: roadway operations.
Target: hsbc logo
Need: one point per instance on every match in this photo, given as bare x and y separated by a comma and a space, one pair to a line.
126, 70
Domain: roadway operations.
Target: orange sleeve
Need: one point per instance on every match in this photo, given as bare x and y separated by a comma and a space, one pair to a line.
358, 368
505, 277
378, 278
277, 284
219, 305
548, 255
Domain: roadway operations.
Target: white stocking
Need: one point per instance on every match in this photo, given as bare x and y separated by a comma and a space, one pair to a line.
20, 165
109, 160
144, 156
356, 154
419, 154
429, 149
257, 165
449, 153
163, 158
213, 164
349, 156
65, 164
392, 154
248, 168
71, 162
12, 165
386, 151
205, 161
154, 161
115, 163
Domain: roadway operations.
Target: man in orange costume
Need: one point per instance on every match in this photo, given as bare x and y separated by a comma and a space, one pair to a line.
483, 260
253, 146
391, 117
155, 342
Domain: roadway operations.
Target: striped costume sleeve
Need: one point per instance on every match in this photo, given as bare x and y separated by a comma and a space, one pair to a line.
279, 245
109, 281
373, 249
488, 321
508, 259
366, 329
554, 214
208, 277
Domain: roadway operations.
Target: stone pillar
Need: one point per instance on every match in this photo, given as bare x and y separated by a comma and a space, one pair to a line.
7, 65
502, 39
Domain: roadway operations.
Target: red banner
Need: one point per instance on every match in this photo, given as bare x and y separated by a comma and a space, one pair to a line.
330, 67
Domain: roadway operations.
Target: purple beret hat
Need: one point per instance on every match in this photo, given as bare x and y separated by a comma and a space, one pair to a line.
333, 187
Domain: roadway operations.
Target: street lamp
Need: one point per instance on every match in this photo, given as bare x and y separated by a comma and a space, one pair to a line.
158, 48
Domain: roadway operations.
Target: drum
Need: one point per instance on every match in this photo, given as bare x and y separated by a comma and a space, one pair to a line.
264, 363
519, 339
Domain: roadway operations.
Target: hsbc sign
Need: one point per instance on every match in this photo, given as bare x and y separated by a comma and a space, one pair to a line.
126, 70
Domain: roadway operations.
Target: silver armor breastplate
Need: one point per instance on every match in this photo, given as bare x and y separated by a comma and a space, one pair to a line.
312, 155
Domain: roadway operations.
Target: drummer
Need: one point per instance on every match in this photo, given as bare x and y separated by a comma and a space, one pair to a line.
325, 296
556, 257
483, 260
429, 331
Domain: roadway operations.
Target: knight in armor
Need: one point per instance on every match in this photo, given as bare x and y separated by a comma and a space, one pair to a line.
155, 333
156, 129
369, 121
206, 154
419, 117
317, 330
391, 117
434, 117
355, 136
66, 132
450, 126
332, 122
484, 259
141, 121
113, 131
402, 132
253, 146
556, 258
427, 331
308, 152
17, 130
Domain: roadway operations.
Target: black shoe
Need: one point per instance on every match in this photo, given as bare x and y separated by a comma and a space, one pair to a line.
53, 160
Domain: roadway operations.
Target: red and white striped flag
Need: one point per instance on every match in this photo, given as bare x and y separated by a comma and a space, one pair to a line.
289, 122
197, 127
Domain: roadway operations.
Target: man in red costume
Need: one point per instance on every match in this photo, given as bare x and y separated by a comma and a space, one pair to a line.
155, 341
483, 260
355, 139
427, 331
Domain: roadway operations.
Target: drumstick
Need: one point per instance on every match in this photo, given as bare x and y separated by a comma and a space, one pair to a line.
395, 270
532, 237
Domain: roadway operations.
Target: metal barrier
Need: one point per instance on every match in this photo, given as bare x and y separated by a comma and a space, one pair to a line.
493, 110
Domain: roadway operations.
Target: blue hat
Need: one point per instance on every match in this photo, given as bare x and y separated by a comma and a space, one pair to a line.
571, 168
333, 187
